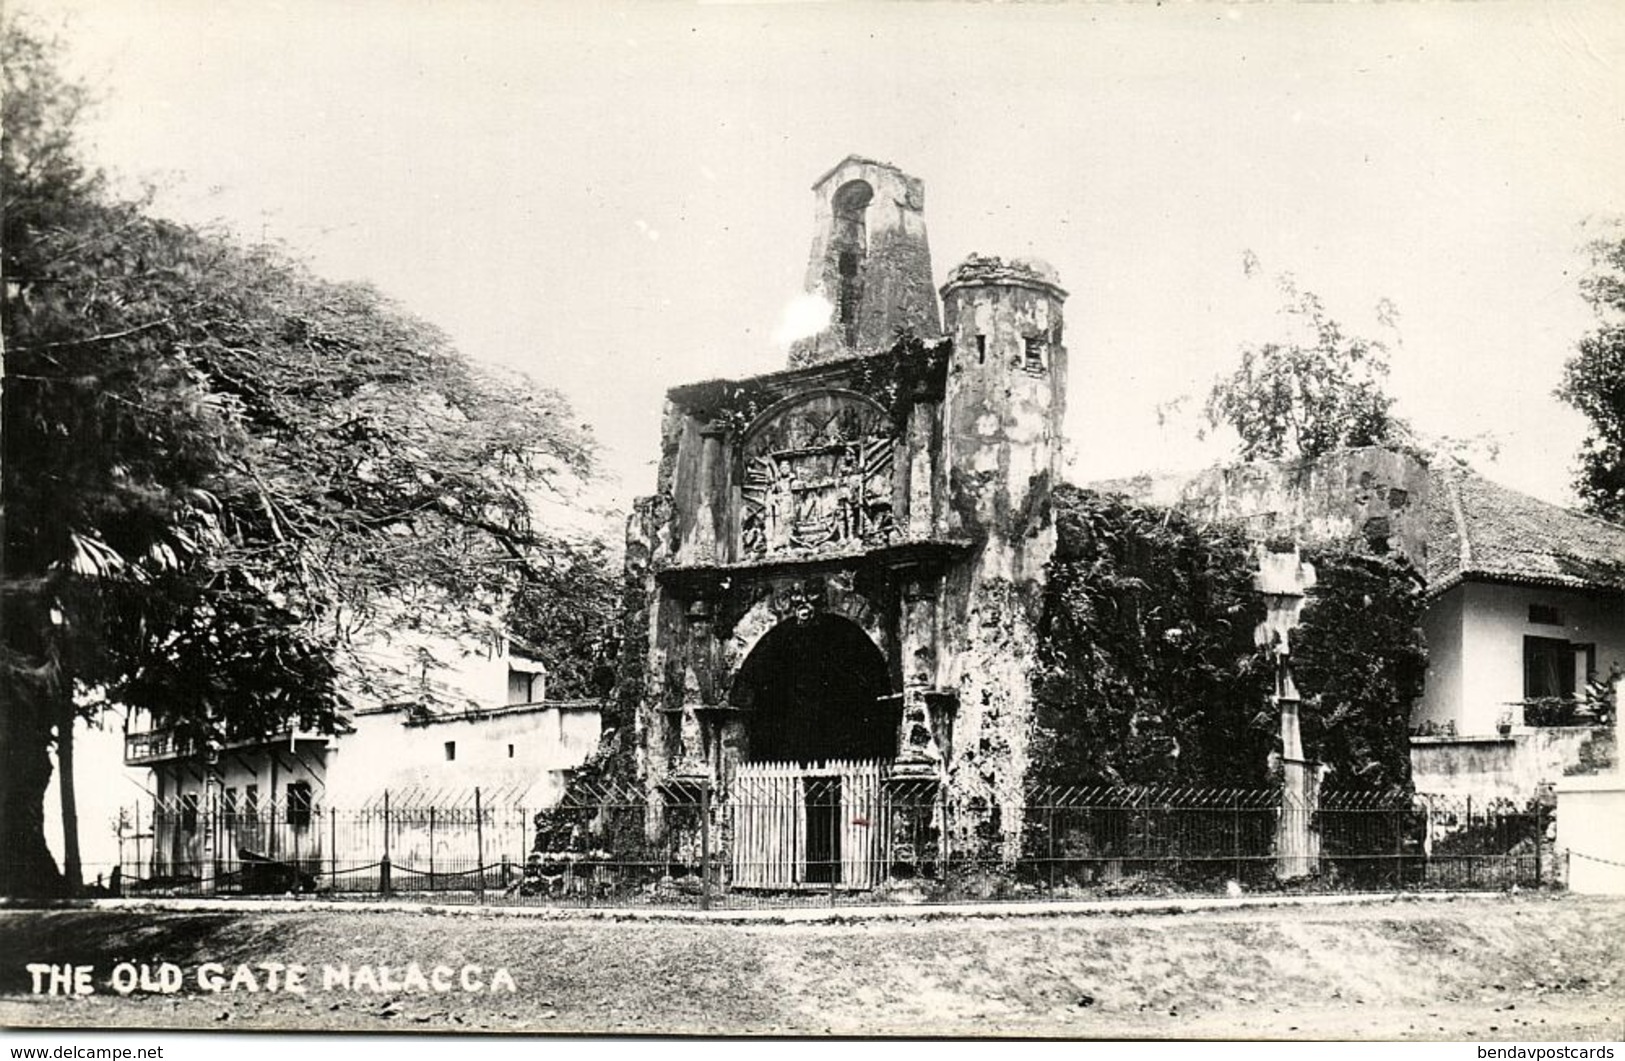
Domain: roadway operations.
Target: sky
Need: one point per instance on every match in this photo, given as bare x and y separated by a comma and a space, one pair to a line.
615, 198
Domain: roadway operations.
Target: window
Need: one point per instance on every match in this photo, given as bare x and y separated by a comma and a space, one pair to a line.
510, 751
526, 687
231, 807
1037, 349
1553, 668
251, 801
451, 750
299, 804
981, 349
1548, 668
1545, 615
189, 812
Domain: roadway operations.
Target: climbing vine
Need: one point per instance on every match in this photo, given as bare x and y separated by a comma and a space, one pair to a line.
1360, 663
1148, 669
1150, 674
912, 370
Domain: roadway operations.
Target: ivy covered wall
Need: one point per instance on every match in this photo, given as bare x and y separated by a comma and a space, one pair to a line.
1149, 673
1360, 663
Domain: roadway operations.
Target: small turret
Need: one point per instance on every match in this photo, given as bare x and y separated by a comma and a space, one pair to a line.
870, 261
1006, 400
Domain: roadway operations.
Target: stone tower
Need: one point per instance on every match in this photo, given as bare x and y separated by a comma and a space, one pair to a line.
870, 261
1003, 409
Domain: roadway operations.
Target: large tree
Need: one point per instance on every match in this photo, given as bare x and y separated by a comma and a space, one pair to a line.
219, 468
1594, 381
1312, 391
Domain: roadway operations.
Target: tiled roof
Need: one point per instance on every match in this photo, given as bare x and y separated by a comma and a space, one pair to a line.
1477, 529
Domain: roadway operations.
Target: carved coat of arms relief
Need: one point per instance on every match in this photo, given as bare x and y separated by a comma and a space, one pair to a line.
818, 477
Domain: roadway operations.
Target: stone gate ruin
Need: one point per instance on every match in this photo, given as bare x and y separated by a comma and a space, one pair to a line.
842, 559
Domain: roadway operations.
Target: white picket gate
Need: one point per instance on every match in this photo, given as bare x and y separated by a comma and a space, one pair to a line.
797, 825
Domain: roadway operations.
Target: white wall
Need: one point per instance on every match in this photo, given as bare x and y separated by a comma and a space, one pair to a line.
1495, 620
509, 750
1589, 810
1442, 627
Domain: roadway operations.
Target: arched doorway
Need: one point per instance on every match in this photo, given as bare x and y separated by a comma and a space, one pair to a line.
820, 724
814, 691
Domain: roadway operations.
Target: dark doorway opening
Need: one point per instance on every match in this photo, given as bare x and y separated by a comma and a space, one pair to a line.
815, 691
823, 805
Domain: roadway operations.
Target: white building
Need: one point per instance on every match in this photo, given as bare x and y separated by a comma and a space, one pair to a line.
1526, 613
326, 802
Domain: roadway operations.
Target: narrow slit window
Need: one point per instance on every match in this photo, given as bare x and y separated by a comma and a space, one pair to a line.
981, 349
451, 750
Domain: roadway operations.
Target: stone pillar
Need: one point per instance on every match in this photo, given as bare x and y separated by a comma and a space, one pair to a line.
915, 782
699, 689
1284, 580
917, 752
712, 493
922, 470
209, 823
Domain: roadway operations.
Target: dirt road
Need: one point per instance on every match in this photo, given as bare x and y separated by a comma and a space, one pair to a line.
1515, 967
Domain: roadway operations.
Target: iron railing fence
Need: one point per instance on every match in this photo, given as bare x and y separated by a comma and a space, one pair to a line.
837, 834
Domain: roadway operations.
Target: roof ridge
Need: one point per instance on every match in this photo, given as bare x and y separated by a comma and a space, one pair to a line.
1464, 547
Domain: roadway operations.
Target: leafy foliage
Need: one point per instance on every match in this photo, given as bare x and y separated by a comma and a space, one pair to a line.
221, 471
1148, 669
1150, 673
1307, 396
1360, 662
568, 612
1594, 383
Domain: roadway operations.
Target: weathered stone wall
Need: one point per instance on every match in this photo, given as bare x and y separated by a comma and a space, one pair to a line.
1511, 767
1372, 492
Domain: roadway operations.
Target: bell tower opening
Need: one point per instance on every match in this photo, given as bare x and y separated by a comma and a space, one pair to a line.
870, 264
816, 691
850, 242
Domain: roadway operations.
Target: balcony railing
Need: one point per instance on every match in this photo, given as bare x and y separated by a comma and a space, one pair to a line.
141, 749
